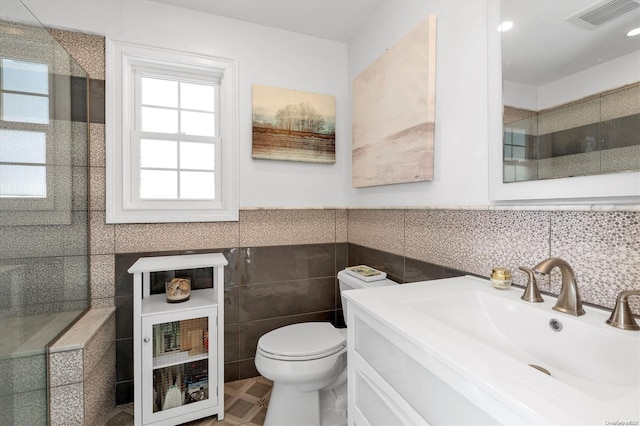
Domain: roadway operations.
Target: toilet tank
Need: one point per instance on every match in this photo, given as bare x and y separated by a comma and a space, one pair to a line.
350, 282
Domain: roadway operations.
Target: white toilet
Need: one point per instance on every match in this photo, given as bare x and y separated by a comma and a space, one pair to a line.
307, 363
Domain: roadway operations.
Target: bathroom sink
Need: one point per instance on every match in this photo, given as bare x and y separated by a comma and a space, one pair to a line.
591, 357
520, 362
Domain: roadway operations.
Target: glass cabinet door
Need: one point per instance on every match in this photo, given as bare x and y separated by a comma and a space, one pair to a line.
178, 367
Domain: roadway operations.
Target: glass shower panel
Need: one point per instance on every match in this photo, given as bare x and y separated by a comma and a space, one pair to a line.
44, 268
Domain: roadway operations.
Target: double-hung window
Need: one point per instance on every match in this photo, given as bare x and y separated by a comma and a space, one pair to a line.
173, 156
24, 118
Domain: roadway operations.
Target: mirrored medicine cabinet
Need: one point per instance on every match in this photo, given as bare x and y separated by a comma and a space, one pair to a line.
564, 101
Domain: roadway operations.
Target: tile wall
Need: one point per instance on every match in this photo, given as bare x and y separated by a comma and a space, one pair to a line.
603, 247
288, 273
282, 270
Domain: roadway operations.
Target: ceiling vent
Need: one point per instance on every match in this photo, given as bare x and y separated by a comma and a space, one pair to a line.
603, 12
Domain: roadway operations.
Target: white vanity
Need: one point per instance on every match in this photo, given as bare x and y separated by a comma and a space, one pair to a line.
458, 351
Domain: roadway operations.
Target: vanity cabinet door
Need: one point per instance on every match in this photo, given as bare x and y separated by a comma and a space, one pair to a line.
178, 364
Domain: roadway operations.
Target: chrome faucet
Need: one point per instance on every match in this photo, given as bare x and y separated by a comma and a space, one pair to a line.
569, 299
622, 317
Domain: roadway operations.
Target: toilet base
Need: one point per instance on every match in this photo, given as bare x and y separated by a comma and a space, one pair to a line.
290, 407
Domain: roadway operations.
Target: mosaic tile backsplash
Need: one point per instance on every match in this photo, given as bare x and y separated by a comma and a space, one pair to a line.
603, 248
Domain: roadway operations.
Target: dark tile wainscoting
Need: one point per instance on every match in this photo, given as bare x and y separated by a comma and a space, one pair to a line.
265, 288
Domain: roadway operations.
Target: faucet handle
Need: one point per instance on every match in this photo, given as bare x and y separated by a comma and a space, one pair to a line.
531, 293
622, 317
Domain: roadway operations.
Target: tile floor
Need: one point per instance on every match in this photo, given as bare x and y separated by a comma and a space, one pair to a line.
245, 403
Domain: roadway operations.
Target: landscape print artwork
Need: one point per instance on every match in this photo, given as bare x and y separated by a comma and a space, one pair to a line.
394, 112
293, 125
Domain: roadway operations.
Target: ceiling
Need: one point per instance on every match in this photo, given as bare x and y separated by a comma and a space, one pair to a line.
334, 20
542, 46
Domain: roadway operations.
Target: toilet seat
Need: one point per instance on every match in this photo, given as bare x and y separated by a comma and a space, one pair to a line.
302, 342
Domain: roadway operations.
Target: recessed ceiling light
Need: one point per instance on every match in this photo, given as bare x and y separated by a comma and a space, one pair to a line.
634, 32
505, 26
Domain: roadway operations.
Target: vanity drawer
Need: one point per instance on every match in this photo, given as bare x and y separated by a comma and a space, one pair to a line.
407, 370
374, 407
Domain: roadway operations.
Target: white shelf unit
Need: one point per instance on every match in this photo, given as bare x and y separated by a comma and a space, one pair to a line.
151, 313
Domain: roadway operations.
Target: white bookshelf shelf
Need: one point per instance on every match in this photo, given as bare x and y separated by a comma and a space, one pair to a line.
157, 303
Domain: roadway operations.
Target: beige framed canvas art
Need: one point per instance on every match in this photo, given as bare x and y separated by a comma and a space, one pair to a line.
394, 112
293, 125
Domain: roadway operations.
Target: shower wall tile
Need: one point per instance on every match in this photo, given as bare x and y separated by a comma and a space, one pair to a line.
124, 317
102, 239
76, 277
79, 197
124, 360
124, 392
102, 276
175, 236
379, 229
28, 408
286, 227
475, 241
24, 374
44, 283
76, 234
97, 196
86, 49
65, 367
67, 405
96, 101
603, 248
6, 409
79, 144
98, 347
97, 145
32, 241
99, 389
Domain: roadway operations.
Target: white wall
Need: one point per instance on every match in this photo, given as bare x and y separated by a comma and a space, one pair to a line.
519, 95
609, 75
265, 56
460, 153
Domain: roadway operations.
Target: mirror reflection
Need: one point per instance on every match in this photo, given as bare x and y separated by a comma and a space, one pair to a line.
571, 88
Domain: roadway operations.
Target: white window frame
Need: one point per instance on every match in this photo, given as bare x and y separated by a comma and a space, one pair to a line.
123, 204
56, 207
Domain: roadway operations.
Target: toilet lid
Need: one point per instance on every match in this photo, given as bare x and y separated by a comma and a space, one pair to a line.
302, 340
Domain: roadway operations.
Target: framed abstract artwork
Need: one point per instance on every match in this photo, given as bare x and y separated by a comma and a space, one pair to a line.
394, 112
292, 125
